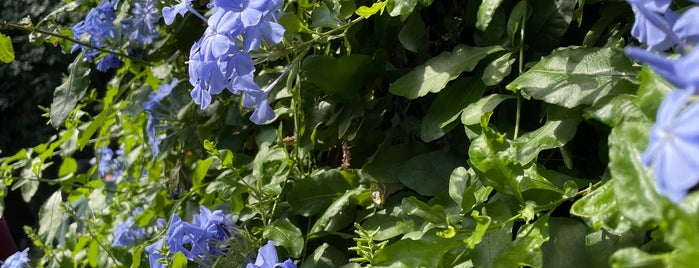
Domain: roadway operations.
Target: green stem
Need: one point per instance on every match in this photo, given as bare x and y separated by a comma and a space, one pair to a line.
520, 69
32, 29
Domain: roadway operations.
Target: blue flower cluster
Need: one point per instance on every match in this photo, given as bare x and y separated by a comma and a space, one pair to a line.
101, 29
673, 149
159, 113
17, 260
199, 241
111, 163
267, 258
128, 232
220, 59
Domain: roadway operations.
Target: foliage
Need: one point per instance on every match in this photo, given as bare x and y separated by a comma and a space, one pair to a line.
397, 133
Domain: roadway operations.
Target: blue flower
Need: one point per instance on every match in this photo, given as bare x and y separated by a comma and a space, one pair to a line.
142, 26
109, 61
181, 8
683, 72
16, 260
653, 24
674, 146
216, 61
128, 232
111, 163
98, 29
267, 258
198, 241
158, 113
687, 25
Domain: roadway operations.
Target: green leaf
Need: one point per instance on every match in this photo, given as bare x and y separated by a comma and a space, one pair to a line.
339, 214
482, 224
68, 166
612, 111
651, 91
558, 130
634, 257
514, 23
425, 252
428, 174
460, 181
291, 23
179, 260
342, 77
525, 250
7, 52
389, 226
602, 244
472, 114
413, 35
201, 170
566, 247
366, 12
434, 75
634, 189
322, 16
599, 209
401, 8
50, 217
498, 69
287, 235
575, 76
494, 160
494, 241
485, 13
386, 164
324, 256
549, 20
434, 214
448, 105
92, 253
136, 256
312, 195
71, 91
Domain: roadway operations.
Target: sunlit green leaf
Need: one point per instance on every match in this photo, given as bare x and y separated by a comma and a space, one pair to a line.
366, 12
71, 91
485, 13
471, 115
434, 75
179, 260
50, 216
7, 52
498, 69
576, 76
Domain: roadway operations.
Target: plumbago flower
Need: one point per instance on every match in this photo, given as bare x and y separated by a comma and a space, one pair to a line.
17, 260
159, 113
267, 258
101, 29
201, 241
128, 232
219, 60
142, 26
673, 149
111, 163
674, 145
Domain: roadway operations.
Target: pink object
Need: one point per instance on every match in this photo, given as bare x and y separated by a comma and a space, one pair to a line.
7, 244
